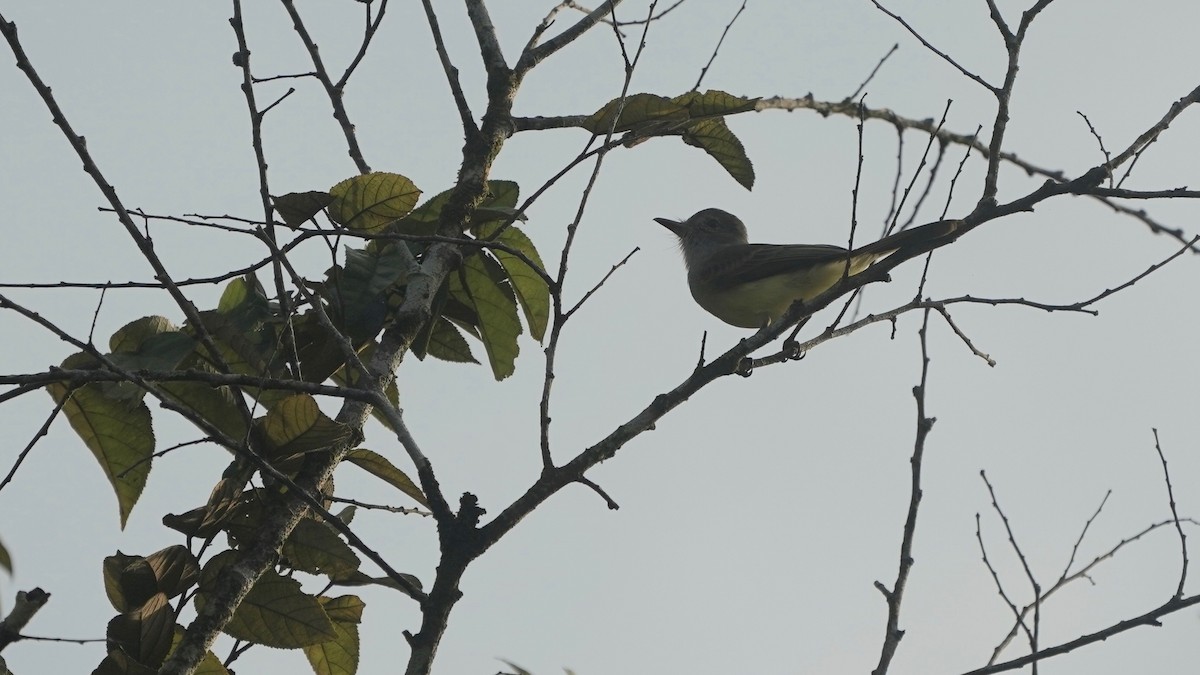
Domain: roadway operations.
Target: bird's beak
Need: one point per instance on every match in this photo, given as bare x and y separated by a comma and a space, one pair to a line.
673, 225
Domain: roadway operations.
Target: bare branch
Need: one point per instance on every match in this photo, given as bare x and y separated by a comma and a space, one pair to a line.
895, 595
717, 49
456, 91
874, 71
536, 54
1183, 568
332, 91
79, 144
946, 57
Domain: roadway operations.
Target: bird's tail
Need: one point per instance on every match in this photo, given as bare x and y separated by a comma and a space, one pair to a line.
919, 236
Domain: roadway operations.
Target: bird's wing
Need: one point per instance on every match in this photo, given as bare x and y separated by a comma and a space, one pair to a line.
736, 265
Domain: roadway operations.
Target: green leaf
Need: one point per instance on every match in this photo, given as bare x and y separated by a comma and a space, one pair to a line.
235, 293
216, 405
118, 432
247, 346
638, 109
344, 608
370, 202
245, 298
714, 103
148, 343
5, 559
205, 521
358, 292
380, 467
175, 569
360, 579
500, 201
447, 344
479, 283
129, 581
296, 208
144, 634
338, 656
715, 138
530, 288
296, 425
315, 548
275, 612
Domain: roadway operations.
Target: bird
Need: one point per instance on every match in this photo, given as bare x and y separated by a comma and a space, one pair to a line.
752, 285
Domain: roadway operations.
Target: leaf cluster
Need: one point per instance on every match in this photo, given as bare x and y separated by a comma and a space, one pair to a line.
697, 118
310, 338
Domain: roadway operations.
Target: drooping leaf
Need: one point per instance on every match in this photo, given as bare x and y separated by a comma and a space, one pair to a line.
296, 208
129, 581
360, 579
380, 467
145, 633
530, 288
715, 138
338, 656
275, 612
447, 344
636, 109
175, 569
315, 548
118, 432
697, 117
5, 559
296, 425
368, 203
480, 284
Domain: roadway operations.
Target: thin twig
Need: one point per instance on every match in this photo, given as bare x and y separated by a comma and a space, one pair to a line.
332, 91
946, 57
717, 49
874, 70
466, 117
1033, 582
1174, 517
42, 431
895, 595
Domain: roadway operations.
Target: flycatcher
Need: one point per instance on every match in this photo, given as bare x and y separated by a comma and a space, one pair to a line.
750, 285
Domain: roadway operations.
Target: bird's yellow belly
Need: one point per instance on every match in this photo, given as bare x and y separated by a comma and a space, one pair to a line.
757, 303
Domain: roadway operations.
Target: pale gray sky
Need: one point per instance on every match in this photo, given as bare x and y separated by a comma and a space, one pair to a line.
755, 520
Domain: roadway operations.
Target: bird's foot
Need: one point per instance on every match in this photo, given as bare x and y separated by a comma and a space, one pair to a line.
792, 351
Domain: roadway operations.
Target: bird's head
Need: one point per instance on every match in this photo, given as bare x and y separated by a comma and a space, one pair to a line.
710, 227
